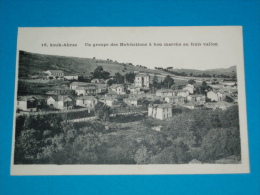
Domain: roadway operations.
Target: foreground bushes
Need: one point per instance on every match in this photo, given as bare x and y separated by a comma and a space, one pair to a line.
198, 134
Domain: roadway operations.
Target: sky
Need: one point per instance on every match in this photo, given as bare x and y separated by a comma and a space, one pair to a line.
225, 50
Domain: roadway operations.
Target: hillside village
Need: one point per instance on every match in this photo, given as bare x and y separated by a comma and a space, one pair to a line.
155, 93
67, 115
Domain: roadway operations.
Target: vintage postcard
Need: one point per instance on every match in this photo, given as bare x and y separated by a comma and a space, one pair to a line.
130, 100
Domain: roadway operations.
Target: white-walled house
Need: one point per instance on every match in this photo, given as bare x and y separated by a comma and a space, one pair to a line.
71, 77
74, 85
191, 105
190, 88
142, 80
160, 111
54, 73
61, 102
175, 100
86, 90
182, 93
197, 98
86, 101
134, 89
102, 81
109, 101
118, 88
212, 96
165, 92
133, 101
27, 103
220, 96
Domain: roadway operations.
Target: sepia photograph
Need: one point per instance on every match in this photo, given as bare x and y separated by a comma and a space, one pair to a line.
130, 100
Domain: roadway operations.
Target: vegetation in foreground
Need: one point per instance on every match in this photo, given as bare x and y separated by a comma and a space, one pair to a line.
205, 135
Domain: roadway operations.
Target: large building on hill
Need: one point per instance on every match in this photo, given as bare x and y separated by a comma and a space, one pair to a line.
54, 73
142, 80
160, 111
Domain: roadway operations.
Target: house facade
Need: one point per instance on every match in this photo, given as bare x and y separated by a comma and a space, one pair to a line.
61, 102
165, 92
74, 85
86, 101
160, 111
191, 105
102, 81
182, 93
87, 90
175, 100
54, 73
26, 103
132, 101
190, 88
142, 80
212, 96
109, 101
134, 89
71, 77
118, 88
197, 98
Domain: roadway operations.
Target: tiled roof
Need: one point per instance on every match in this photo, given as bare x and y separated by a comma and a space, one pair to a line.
160, 105
132, 99
80, 84
114, 86
61, 97
196, 95
174, 97
165, 90
191, 103
55, 71
25, 98
86, 87
108, 98
86, 98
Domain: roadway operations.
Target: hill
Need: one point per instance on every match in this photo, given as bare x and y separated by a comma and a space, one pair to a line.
32, 64
231, 71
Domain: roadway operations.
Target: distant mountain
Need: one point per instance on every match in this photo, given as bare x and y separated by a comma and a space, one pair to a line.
231, 71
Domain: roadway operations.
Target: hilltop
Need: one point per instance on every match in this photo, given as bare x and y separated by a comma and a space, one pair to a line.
231, 71
32, 63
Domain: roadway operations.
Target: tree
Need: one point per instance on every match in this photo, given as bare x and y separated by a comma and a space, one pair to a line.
220, 143
142, 155
119, 79
99, 73
168, 82
102, 111
155, 82
130, 77
27, 146
191, 81
204, 83
110, 82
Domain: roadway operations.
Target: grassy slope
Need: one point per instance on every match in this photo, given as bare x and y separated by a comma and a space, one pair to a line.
35, 63
226, 71
39, 62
